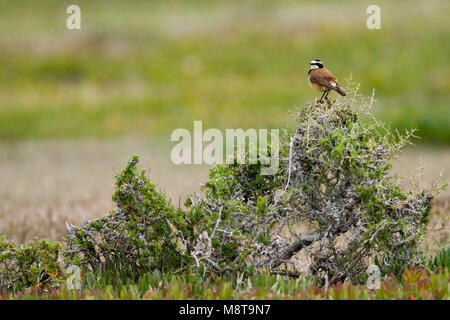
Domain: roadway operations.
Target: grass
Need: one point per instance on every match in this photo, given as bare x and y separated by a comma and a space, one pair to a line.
147, 68
414, 284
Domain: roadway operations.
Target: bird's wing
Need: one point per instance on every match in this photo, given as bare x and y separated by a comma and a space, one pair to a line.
324, 77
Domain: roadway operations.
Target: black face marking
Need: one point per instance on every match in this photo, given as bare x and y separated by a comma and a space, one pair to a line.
319, 64
316, 62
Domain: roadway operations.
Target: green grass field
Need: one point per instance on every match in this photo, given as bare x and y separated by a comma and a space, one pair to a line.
414, 284
418, 284
148, 67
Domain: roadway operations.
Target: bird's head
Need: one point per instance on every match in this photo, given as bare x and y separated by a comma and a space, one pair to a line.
315, 64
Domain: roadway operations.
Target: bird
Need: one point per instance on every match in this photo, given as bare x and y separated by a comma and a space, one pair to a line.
321, 79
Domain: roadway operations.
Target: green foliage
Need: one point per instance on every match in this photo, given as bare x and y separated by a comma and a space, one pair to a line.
31, 264
110, 79
143, 233
334, 177
235, 222
333, 180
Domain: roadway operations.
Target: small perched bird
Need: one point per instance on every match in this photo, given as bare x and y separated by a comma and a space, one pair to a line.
321, 79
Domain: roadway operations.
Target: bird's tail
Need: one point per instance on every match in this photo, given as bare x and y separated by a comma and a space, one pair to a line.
339, 90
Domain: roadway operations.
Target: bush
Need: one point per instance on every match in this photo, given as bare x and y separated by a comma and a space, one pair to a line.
332, 200
332, 197
32, 264
334, 182
142, 234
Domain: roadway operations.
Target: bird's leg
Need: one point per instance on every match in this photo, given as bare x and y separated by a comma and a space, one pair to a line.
333, 100
323, 94
326, 98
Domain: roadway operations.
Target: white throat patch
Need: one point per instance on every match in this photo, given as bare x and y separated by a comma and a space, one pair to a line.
313, 66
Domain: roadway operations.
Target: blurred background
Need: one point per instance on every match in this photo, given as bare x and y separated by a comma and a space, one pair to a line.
75, 104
